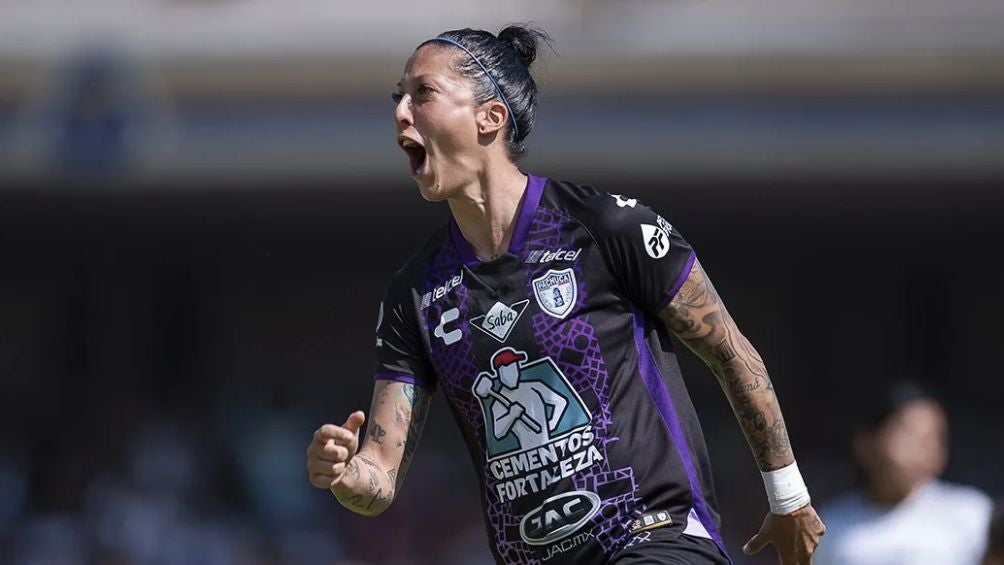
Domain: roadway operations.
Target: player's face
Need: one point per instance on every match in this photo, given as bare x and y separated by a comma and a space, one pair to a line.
436, 123
910, 448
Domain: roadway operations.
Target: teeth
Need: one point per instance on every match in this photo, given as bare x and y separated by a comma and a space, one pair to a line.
408, 143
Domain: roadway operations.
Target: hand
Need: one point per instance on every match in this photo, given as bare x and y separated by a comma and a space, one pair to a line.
516, 409
331, 449
795, 535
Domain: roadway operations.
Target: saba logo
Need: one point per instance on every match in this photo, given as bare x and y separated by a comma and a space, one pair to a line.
500, 320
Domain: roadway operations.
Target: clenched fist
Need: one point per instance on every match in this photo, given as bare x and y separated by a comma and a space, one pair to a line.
331, 449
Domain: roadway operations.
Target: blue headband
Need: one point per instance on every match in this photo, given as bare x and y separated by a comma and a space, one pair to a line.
512, 117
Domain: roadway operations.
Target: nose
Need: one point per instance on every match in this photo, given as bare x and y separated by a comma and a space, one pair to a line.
402, 112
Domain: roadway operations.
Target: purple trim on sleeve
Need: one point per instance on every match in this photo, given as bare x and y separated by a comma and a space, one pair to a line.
679, 281
401, 378
531, 200
652, 378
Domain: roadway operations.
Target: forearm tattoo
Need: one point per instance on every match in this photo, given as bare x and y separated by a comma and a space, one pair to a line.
367, 488
415, 403
699, 318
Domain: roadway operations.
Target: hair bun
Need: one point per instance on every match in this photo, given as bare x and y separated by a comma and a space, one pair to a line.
524, 40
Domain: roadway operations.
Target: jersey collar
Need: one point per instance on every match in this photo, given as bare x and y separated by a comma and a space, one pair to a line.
527, 210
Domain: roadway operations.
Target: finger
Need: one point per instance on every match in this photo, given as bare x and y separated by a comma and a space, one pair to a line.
354, 421
339, 474
808, 547
331, 431
326, 468
334, 452
319, 453
321, 480
756, 543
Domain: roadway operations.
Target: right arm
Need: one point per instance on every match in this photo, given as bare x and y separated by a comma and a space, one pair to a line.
365, 480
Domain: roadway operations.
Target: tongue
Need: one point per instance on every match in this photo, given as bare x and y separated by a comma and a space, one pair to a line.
417, 159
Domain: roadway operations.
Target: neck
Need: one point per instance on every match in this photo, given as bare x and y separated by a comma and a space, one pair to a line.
485, 209
885, 493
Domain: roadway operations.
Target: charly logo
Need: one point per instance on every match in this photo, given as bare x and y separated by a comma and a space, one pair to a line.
452, 336
558, 517
556, 292
500, 320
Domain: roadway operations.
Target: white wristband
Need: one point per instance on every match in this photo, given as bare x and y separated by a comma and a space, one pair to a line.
786, 490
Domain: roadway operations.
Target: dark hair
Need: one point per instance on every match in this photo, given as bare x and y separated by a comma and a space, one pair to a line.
879, 408
507, 57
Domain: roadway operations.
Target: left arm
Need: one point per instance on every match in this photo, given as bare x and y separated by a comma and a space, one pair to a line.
699, 318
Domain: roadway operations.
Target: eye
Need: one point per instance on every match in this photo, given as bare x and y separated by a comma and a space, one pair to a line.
396, 97
424, 91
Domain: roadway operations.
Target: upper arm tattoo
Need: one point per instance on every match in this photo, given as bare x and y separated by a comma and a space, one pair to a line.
699, 318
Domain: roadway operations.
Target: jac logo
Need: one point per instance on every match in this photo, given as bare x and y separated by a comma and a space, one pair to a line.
558, 517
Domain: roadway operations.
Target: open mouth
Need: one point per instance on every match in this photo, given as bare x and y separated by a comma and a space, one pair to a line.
416, 154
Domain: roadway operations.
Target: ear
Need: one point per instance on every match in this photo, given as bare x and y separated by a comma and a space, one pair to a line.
492, 117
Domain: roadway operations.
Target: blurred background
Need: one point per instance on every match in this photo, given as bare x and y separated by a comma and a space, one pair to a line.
201, 202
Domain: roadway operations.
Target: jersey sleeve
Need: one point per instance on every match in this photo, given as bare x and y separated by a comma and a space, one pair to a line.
647, 255
400, 353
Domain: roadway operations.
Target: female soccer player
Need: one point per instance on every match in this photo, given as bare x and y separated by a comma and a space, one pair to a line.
543, 311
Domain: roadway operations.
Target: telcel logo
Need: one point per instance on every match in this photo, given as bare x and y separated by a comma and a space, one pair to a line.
440, 291
543, 256
558, 517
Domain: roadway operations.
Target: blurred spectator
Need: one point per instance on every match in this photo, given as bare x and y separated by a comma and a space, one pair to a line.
93, 121
13, 488
995, 539
48, 540
904, 514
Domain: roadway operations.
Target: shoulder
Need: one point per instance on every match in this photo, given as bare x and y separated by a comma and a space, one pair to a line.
967, 510
959, 492
964, 499
602, 214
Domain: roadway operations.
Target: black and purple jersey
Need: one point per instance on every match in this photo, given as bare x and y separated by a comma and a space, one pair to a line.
559, 374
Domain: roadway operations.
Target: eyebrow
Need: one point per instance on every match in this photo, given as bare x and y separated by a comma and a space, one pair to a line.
426, 78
